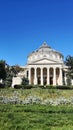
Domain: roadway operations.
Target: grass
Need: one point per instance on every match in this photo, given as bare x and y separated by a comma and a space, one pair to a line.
36, 117
43, 93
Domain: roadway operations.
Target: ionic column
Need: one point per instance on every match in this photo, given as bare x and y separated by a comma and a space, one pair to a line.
48, 76
41, 76
35, 76
65, 78
26, 74
29, 77
60, 77
54, 76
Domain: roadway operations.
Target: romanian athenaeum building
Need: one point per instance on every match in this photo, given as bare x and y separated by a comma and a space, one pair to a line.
45, 66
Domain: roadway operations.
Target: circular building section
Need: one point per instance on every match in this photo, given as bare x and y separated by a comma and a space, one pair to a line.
45, 66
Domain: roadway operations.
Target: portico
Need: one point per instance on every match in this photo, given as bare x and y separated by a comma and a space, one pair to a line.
45, 75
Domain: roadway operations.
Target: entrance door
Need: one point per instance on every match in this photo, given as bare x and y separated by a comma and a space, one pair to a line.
39, 82
51, 80
44, 80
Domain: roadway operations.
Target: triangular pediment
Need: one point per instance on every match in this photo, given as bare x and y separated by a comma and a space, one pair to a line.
45, 61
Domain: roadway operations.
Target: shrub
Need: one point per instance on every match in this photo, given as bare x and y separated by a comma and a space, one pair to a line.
41, 86
68, 80
25, 81
49, 86
8, 80
23, 86
2, 85
71, 87
18, 86
35, 86
63, 87
27, 86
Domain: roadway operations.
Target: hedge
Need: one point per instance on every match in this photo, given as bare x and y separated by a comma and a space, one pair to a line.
23, 86
2, 85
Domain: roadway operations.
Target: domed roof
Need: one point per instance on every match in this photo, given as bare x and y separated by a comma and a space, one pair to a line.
45, 48
45, 45
45, 51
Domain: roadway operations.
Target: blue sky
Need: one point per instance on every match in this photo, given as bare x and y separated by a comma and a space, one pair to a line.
26, 24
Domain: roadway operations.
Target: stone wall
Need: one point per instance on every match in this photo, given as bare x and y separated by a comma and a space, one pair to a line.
16, 80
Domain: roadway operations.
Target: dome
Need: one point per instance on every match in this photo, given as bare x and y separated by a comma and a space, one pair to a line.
45, 51
45, 45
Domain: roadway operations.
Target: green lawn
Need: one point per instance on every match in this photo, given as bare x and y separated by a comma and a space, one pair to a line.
36, 117
43, 93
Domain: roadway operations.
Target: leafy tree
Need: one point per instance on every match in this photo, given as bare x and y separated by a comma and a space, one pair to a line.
8, 72
69, 63
11, 72
68, 80
2, 69
15, 69
8, 79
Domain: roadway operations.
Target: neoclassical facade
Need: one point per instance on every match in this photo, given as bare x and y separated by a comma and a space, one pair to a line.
45, 66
